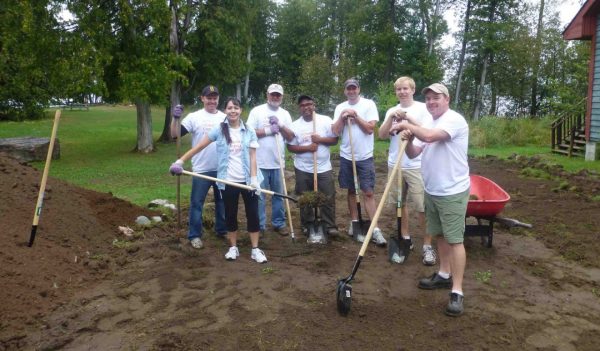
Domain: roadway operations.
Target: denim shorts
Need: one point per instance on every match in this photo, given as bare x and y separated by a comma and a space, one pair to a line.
365, 170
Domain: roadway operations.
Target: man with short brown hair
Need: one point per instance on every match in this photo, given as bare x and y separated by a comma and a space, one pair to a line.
443, 144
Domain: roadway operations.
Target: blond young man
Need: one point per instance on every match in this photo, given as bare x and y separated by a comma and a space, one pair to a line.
412, 189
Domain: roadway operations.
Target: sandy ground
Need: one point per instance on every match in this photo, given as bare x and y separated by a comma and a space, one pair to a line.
78, 289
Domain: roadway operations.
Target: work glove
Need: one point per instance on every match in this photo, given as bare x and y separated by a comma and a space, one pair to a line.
177, 111
255, 185
176, 167
272, 129
275, 120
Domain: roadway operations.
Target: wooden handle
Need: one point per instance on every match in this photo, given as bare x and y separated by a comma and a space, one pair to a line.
400, 184
315, 184
40, 198
354, 174
382, 201
287, 202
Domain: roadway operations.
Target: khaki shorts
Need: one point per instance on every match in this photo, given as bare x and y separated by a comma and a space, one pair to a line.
412, 189
445, 215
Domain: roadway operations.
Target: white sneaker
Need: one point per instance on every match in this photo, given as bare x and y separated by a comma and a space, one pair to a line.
196, 243
378, 238
232, 254
429, 257
258, 255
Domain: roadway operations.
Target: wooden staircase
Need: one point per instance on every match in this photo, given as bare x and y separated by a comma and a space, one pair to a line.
568, 135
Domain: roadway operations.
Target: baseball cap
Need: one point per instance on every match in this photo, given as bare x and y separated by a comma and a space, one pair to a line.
210, 90
436, 88
275, 88
305, 97
351, 81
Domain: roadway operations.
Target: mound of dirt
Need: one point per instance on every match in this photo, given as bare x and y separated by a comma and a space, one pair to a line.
71, 250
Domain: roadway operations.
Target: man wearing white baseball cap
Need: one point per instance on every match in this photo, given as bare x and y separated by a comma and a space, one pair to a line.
270, 120
443, 144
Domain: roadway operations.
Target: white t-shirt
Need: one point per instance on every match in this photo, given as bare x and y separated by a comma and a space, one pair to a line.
198, 124
444, 163
235, 166
266, 155
363, 143
418, 110
302, 132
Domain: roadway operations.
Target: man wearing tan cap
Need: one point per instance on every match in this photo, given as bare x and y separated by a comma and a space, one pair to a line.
443, 145
269, 121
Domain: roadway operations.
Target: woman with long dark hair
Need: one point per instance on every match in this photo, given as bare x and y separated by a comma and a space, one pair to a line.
236, 153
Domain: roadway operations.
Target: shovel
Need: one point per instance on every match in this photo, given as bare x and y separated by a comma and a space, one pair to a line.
40, 199
344, 286
316, 231
357, 226
237, 185
396, 243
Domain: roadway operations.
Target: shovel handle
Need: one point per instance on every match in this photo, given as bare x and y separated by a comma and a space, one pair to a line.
287, 202
353, 164
381, 204
237, 185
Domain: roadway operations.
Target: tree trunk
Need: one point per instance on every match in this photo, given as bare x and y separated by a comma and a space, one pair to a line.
247, 80
145, 143
479, 97
536, 61
461, 59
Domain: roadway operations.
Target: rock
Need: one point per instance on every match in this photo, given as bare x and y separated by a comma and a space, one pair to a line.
26, 149
158, 202
156, 219
143, 220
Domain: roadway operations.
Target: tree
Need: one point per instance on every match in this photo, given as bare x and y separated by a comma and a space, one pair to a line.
134, 36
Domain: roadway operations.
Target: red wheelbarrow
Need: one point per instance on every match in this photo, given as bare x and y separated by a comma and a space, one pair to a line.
486, 201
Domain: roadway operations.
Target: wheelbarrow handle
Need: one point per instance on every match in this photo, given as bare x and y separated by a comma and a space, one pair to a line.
238, 185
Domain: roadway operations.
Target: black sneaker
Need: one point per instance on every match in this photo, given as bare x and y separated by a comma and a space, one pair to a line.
455, 306
435, 282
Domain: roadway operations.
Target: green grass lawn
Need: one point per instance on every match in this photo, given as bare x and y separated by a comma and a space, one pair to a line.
96, 153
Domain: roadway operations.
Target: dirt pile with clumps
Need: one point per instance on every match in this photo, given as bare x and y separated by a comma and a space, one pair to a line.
75, 235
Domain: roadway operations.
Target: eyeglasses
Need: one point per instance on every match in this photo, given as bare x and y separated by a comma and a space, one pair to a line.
307, 104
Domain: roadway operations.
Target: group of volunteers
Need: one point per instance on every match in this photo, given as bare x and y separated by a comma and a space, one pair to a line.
435, 172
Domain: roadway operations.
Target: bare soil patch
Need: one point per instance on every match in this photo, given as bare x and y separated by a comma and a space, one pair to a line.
535, 289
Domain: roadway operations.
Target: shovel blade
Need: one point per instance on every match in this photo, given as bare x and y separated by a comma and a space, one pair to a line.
394, 251
317, 234
344, 296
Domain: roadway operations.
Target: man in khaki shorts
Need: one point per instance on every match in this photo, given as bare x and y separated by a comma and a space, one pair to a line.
443, 144
412, 181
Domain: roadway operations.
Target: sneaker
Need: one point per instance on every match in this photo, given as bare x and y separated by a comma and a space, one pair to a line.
333, 231
455, 306
378, 238
258, 255
196, 243
435, 282
232, 254
429, 257
283, 231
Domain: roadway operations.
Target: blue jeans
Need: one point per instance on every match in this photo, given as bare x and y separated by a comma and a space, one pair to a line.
199, 190
271, 181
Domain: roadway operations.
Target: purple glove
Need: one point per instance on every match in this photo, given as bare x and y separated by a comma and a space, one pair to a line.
274, 120
176, 168
177, 111
274, 129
